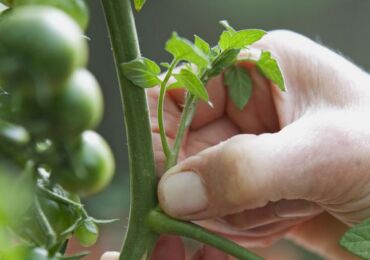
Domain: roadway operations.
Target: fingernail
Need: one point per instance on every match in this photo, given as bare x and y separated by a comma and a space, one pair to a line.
296, 208
183, 194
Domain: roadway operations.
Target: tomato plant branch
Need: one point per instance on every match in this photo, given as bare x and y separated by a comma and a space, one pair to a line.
162, 223
186, 117
139, 238
162, 93
45, 224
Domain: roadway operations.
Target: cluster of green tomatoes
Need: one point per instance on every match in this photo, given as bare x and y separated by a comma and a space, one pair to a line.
49, 106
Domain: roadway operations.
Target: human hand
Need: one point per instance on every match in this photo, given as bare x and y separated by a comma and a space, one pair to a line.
284, 154
252, 175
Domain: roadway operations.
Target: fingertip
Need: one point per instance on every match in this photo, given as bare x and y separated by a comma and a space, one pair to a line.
169, 248
182, 194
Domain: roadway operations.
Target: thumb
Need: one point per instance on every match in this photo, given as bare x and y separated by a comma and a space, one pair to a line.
248, 171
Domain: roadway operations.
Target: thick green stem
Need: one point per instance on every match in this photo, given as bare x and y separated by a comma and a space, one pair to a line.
145, 223
162, 93
139, 238
164, 224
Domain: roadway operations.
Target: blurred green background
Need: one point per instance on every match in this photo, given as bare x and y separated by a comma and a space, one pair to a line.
342, 25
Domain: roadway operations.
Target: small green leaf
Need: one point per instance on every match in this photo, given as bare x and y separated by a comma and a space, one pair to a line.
225, 39
139, 4
239, 85
142, 72
227, 26
222, 61
202, 45
357, 240
270, 69
182, 49
239, 39
192, 83
215, 52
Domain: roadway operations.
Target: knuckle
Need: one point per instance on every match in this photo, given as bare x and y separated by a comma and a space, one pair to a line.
232, 163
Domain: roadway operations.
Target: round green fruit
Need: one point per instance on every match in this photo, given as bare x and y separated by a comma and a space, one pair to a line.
77, 9
40, 47
93, 166
79, 106
87, 233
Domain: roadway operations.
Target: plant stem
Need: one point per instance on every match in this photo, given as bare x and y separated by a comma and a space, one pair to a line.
162, 93
186, 117
45, 224
139, 238
164, 224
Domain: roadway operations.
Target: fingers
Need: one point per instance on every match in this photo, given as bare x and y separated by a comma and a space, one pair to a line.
271, 213
204, 113
209, 135
248, 171
209, 253
321, 235
171, 111
169, 248
173, 103
261, 232
259, 115
313, 74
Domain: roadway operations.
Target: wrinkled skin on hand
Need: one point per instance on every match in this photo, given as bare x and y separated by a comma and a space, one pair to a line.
291, 164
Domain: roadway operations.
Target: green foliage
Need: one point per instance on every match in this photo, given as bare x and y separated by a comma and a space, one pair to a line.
77, 9
203, 62
239, 85
202, 45
183, 50
270, 69
231, 39
139, 4
357, 240
48, 101
222, 61
142, 72
7, 2
192, 83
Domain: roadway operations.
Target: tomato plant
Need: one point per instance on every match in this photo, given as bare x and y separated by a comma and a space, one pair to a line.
49, 153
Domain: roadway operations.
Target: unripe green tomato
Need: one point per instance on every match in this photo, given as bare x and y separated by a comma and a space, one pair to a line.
87, 233
93, 166
40, 46
77, 9
79, 106
21, 106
